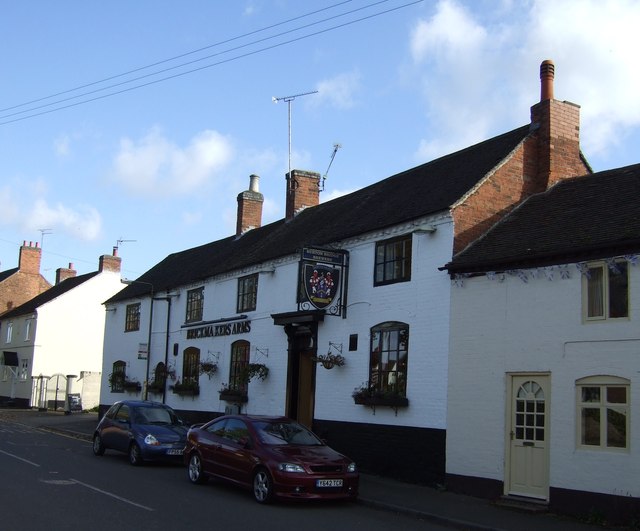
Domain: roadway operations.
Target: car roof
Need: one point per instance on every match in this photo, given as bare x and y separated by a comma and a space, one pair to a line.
141, 403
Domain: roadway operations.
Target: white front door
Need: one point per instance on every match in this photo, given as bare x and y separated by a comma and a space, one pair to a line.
528, 436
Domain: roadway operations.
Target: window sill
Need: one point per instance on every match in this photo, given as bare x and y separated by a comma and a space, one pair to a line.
234, 396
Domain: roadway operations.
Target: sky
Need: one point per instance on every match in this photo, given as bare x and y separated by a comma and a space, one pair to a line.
136, 123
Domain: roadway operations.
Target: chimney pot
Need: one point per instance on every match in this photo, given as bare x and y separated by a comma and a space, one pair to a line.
547, 73
254, 183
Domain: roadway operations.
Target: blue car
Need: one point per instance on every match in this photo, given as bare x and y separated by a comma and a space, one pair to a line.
145, 431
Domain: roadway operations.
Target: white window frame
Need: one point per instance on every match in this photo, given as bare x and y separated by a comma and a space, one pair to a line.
603, 382
9, 332
27, 329
586, 280
24, 369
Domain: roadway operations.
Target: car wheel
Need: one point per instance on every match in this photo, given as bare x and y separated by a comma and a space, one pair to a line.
135, 455
194, 470
98, 447
262, 486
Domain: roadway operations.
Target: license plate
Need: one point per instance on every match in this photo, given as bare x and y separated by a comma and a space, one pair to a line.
329, 483
176, 451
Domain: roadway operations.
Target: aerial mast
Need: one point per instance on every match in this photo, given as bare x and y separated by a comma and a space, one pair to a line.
289, 99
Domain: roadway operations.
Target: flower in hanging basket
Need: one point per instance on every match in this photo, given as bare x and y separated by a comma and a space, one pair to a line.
254, 370
329, 360
208, 367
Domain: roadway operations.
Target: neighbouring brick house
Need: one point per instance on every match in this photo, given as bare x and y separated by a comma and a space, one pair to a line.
351, 280
19, 284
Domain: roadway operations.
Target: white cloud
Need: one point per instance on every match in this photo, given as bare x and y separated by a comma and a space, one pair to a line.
83, 222
339, 91
334, 194
478, 70
155, 166
61, 145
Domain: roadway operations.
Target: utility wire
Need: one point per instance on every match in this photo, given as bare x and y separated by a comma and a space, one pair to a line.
166, 78
158, 72
139, 69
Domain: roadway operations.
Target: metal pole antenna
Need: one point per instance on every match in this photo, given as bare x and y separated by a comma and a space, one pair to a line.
289, 99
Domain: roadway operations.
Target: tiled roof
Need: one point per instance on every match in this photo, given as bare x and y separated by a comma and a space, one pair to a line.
48, 295
595, 216
6, 274
420, 191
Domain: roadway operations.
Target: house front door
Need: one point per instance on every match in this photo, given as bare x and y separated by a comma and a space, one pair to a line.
527, 473
302, 373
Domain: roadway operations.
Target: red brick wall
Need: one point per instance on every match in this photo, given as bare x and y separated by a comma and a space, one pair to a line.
249, 211
27, 282
302, 191
549, 154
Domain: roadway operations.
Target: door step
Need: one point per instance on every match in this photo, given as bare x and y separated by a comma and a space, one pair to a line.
522, 503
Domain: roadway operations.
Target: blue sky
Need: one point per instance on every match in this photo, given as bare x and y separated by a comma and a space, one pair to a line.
399, 83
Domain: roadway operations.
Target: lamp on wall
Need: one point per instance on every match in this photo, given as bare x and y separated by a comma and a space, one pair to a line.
425, 229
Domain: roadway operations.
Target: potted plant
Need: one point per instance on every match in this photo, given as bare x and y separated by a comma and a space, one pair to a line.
232, 395
188, 388
330, 360
208, 367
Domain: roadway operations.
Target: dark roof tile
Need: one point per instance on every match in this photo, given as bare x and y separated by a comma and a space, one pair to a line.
595, 216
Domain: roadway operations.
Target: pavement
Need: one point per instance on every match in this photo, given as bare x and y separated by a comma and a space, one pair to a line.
422, 502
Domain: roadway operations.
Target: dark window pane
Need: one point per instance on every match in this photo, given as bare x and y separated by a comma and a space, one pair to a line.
618, 291
590, 427
616, 429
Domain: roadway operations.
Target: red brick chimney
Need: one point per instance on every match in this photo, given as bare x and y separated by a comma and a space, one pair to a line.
303, 191
249, 207
110, 262
63, 273
29, 260
550, 153
558, 132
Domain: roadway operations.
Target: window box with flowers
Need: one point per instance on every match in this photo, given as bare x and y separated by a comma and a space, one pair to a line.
188, 388
119, 384
156, 387
367, 395
237, 396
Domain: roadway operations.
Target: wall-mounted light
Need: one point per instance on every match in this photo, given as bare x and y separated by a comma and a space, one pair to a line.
425, 229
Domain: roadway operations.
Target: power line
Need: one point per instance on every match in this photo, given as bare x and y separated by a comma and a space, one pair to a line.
145, 76
223, 61
180, 56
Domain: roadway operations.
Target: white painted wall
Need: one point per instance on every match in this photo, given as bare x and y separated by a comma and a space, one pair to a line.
513, 326
423, 303
67, 336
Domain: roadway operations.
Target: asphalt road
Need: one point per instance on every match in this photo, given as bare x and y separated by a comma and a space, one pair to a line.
50, 481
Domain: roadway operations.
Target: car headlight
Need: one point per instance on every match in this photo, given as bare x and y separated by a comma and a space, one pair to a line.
151, 440
351, 467
290, 467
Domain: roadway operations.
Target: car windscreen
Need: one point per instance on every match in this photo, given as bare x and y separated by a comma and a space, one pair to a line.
279, 433
155, 415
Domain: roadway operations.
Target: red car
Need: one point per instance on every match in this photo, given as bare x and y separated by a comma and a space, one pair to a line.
275, 457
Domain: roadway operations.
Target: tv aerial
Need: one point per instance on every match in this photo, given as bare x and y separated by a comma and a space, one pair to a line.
289, 99
336, 147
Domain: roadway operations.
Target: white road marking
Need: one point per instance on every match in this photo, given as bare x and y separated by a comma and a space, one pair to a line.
112, 495
20, 458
